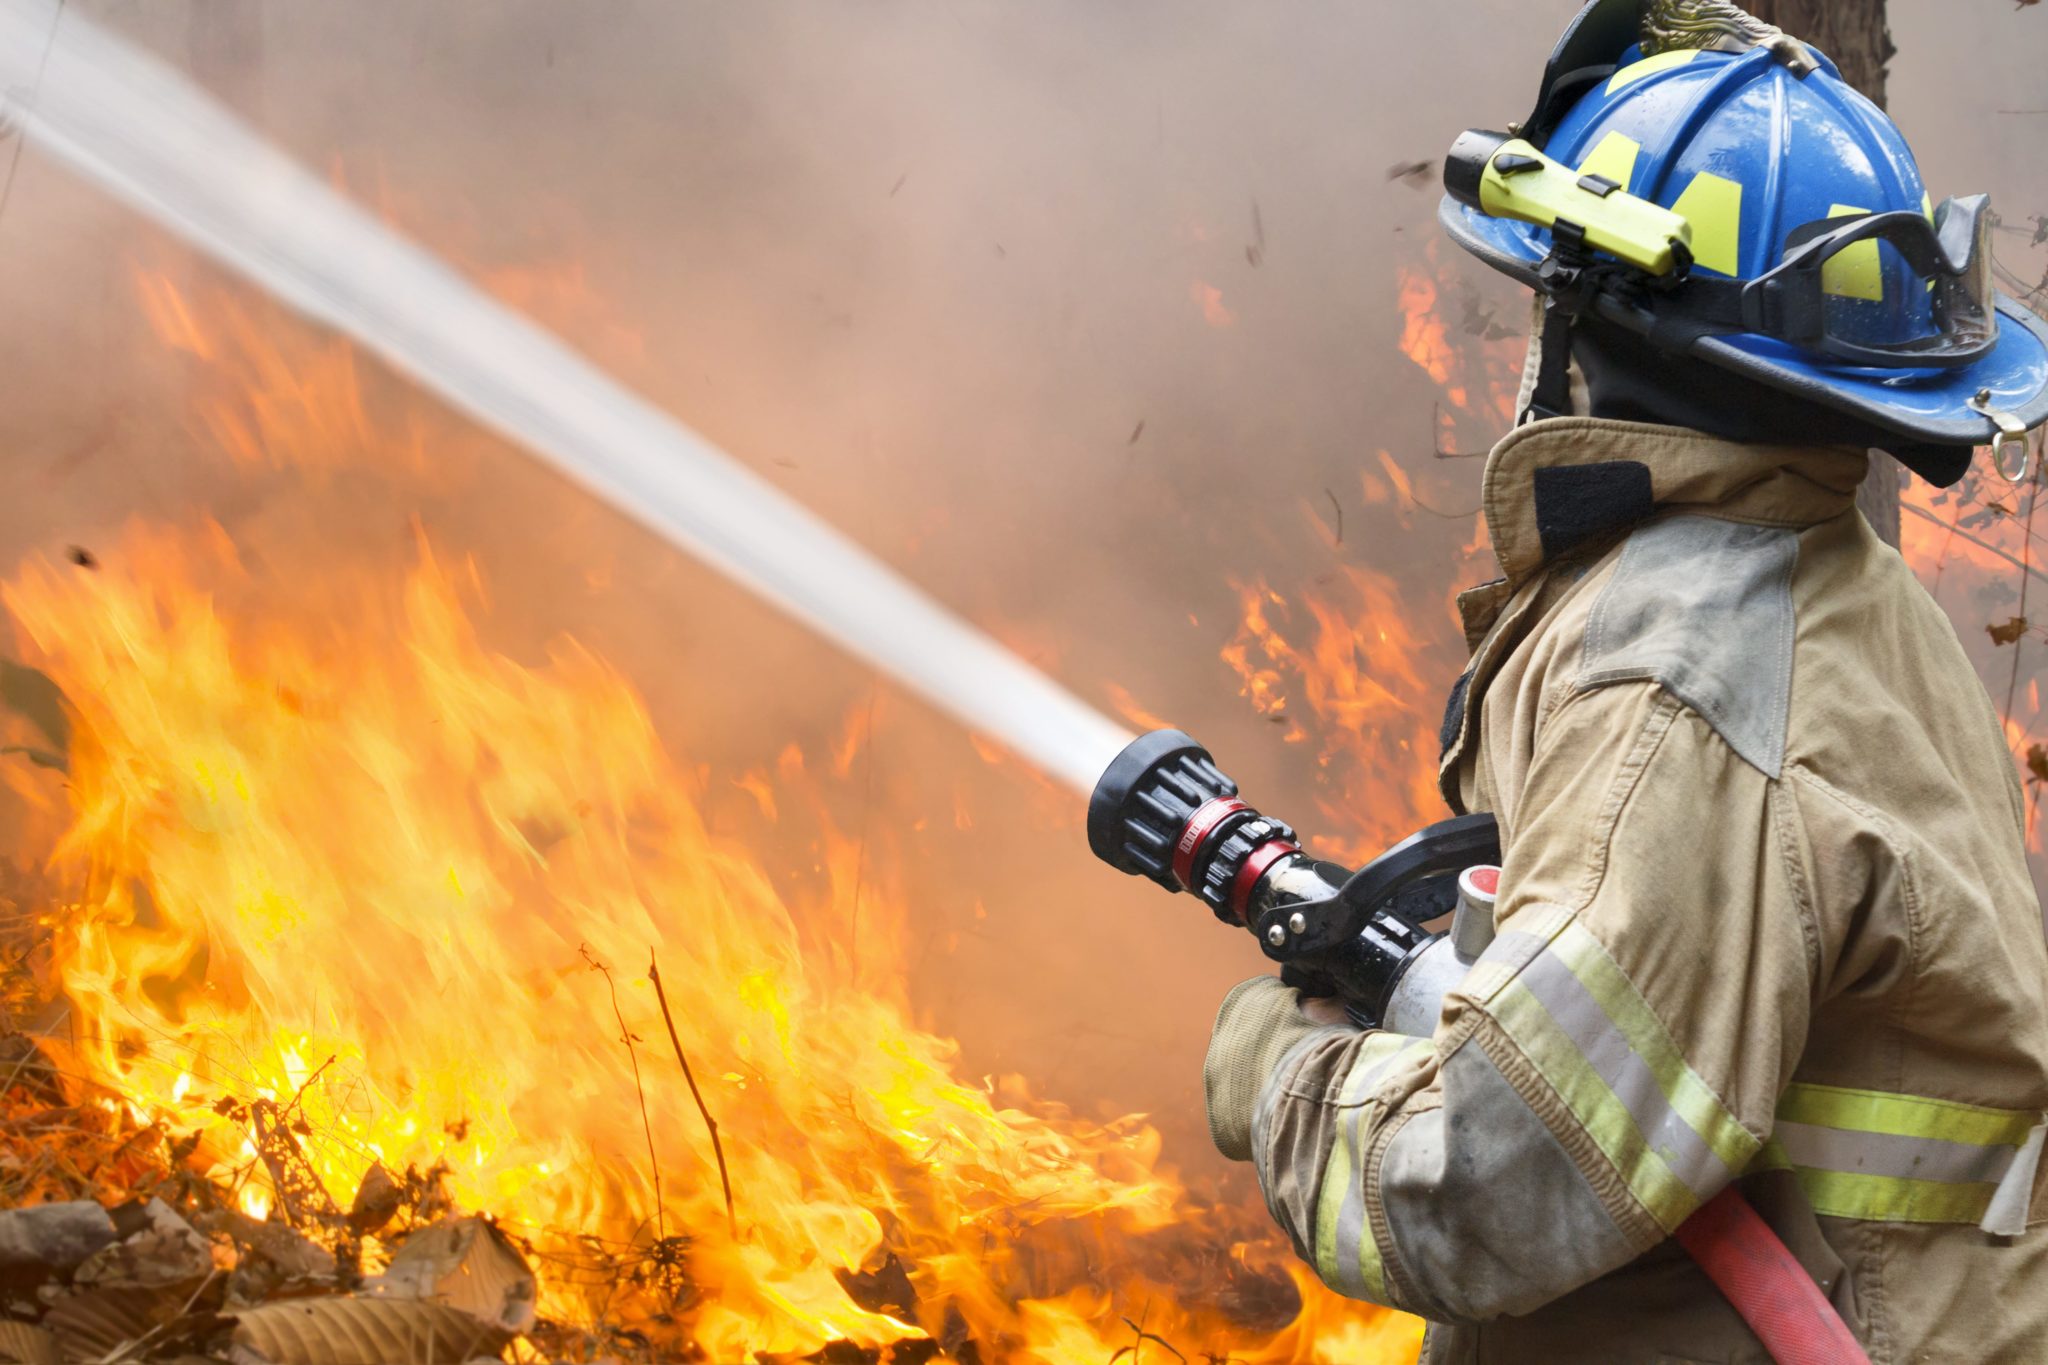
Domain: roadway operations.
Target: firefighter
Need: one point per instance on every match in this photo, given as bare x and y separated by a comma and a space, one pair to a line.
1765, 917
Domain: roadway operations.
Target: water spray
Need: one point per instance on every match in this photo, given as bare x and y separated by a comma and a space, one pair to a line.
150, 137
153, 139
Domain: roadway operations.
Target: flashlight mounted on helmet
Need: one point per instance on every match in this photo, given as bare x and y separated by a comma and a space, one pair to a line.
1165, 811
1506, 177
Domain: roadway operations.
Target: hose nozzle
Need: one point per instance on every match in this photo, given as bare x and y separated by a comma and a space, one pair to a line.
1163, 810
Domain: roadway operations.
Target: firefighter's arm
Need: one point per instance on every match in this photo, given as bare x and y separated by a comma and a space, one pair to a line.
1610, 1064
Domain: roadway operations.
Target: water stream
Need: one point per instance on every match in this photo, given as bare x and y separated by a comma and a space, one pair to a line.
147, 135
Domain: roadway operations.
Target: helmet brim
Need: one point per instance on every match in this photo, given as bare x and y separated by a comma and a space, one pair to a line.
1928, 407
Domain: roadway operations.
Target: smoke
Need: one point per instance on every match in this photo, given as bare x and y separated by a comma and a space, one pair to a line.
1066, 309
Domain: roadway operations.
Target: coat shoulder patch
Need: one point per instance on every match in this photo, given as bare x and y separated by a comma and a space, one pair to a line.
1704, 608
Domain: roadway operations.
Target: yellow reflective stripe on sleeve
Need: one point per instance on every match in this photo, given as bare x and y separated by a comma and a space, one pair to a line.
1591, 1035
1875, 1111
1884, 1157
1346, 1254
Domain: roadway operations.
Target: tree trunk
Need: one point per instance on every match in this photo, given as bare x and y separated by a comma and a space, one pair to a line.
1854, 34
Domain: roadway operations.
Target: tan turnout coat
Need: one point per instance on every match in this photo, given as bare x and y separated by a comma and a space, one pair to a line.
1765, 917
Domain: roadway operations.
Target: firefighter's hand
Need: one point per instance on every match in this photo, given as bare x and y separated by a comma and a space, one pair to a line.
1260, 1022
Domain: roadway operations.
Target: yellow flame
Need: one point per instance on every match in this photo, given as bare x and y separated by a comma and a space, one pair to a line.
341, 858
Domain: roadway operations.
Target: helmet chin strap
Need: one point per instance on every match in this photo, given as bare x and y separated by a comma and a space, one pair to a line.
1552, 383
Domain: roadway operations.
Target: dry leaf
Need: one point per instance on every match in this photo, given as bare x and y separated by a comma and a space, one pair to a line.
301, 1195
278, 1261
2037, 762
165, 1253
2008, 633
884, 1288
38, 1242
376, 1202
1415, 174
468, 1264
24, 1344
29, 1070
98, 1322
362, 1331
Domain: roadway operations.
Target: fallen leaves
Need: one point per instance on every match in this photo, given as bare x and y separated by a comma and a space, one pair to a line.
24, 1343
359, 1330
467, 1264
51, 1239
145, 1284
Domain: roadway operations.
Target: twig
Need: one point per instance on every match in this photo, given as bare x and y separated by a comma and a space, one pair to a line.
732, 1221
1436, 440
2012, 687
1143, 1337
639, 1091
127, 1350
300, 1093
1338, 508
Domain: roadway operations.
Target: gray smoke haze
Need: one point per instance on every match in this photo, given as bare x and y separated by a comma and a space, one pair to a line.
1065, 308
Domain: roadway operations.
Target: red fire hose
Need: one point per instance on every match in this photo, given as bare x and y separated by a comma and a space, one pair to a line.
1767, 1285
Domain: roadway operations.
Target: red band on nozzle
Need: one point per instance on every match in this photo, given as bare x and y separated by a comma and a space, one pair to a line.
1196, 832
1256, 867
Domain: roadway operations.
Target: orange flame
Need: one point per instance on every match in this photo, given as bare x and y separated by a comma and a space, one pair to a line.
1365, 676
334, 852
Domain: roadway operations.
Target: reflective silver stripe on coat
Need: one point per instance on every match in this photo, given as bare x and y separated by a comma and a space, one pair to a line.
1352, 1230
1487, 1212
1607, 1051
1275, 1088
1908, 1158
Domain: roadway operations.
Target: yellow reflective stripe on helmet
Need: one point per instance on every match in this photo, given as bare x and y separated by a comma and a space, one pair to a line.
1346, 1254
1586, 1028
1614, 159
1713, 205
1883, 1157
1650, 66
1857, 270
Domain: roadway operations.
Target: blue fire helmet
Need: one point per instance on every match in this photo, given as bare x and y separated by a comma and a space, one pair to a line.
1819, 265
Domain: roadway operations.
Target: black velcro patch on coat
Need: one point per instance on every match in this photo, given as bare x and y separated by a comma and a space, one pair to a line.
1454, 713
1574, 503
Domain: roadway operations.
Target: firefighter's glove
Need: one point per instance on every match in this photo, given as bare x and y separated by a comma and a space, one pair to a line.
1260, 1022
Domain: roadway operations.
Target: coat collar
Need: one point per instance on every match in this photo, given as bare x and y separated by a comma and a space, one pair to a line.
1552, 486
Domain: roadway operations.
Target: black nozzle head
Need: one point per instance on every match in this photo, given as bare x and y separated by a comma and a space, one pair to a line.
1144, 801
1465, 167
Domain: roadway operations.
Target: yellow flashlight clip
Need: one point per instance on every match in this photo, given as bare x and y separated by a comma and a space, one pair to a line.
1510, 178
